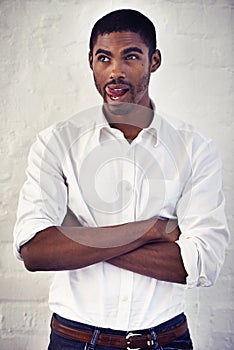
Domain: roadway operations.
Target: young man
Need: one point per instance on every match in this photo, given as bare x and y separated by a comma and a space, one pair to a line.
144, 199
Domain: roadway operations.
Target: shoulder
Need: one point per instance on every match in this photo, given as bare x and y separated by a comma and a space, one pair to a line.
69, 130
70, 135
183, 140
180, 129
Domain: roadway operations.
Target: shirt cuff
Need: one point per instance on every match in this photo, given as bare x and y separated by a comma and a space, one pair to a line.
190, 259
22, 236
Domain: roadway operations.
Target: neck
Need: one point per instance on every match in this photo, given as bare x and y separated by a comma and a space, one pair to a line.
131, 119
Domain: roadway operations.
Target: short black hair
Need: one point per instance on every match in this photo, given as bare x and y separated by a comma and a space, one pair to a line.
125, 20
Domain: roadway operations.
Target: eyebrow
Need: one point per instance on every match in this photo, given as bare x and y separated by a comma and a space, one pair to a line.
105, 52
124, 52
132, 49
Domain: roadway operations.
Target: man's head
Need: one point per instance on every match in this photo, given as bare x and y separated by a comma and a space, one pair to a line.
125, 21
122, 56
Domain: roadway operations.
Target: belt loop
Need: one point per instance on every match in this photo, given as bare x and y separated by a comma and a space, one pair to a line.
155, 339
94, 339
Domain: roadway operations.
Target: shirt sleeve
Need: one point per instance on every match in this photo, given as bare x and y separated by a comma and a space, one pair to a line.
43, 197
201, 217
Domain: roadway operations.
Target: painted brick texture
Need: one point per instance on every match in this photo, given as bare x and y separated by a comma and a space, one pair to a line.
45, 78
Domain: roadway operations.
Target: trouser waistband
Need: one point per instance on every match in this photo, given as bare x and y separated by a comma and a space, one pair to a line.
143, 339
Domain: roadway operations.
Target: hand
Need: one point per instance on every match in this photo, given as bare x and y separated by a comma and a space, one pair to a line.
162, 230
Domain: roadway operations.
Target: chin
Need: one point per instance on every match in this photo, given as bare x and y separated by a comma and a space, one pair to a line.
119, 108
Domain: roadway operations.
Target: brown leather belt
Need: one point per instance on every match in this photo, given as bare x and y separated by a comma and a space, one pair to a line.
130, 341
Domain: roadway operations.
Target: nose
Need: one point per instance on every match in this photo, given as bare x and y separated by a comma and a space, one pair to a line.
117, 71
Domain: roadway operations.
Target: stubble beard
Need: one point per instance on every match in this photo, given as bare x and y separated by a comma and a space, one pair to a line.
123, 108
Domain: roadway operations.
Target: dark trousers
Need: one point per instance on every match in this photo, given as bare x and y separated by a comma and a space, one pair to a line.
59, 342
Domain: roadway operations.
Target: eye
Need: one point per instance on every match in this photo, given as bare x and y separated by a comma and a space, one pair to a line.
103, 58
132, 57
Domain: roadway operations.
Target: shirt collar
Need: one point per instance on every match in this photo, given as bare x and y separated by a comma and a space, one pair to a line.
105, 132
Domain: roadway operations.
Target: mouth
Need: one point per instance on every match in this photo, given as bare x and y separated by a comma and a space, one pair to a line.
116, 93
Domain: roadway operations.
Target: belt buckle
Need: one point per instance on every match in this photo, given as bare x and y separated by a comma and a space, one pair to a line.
128, 336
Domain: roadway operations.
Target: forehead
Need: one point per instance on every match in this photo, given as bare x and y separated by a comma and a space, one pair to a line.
119, 40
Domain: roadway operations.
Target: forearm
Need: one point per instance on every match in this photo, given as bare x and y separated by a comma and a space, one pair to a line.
66, 248
160, 260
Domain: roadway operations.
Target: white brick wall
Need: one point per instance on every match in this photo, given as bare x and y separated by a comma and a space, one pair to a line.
43, 64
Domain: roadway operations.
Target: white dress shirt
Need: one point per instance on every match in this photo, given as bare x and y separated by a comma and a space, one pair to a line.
85, 167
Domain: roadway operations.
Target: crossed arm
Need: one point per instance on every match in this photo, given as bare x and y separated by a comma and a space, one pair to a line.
160, 260
144, 247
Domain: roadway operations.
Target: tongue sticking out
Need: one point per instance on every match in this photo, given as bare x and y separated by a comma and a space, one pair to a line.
115, 94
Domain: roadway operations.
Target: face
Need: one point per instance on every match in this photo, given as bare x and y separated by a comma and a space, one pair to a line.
121, 69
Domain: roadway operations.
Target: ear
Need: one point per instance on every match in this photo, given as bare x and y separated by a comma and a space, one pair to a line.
91, 60
155, 61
